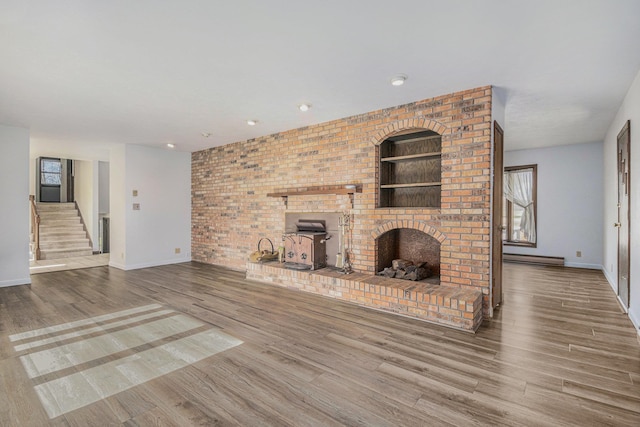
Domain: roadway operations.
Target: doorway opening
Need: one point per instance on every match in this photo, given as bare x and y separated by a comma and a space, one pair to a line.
623, 225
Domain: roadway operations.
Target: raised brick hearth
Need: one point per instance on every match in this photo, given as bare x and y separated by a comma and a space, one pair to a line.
446, 305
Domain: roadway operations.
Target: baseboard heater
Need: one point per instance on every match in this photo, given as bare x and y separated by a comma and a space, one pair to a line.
533, 259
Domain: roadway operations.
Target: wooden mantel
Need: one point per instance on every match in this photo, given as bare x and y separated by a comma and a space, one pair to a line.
313, 191
316, 191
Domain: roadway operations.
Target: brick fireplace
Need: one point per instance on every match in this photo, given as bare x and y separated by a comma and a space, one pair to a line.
446, 216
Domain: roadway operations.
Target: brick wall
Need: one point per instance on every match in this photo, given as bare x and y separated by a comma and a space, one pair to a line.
231, 210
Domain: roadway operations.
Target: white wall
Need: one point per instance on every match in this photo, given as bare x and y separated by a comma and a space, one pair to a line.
150, 235
86, 194
570, 197
117, 214
498, 106
32, 175
103, 186
14, 209
629, 110
71, 150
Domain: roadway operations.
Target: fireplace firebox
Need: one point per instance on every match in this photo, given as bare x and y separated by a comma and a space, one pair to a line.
411, 245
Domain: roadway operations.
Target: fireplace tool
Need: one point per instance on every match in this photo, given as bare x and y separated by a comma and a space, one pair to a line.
340, 254
342, 258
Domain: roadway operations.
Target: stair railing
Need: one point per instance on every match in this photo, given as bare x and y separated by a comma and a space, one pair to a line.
35, 226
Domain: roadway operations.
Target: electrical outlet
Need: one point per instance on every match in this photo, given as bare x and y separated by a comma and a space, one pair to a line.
177, 250
136, 206
578, 254
135, 193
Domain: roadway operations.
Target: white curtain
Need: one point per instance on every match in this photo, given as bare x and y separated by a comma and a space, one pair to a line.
518, 189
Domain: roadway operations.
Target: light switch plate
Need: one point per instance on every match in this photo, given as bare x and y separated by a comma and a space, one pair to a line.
136, 206
135, 193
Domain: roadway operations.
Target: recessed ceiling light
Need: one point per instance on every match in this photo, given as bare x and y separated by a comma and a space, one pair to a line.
304, 107
170, 145
206, 134
398, 80
252, 122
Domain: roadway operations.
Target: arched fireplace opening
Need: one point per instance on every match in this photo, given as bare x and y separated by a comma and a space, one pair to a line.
401, 251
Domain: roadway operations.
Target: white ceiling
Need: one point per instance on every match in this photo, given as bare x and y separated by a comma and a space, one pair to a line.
86, 74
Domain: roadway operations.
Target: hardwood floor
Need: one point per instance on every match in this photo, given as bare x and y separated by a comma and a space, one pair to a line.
559, 352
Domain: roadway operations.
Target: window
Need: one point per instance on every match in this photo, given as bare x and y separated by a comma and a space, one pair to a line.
50, 171
520, 202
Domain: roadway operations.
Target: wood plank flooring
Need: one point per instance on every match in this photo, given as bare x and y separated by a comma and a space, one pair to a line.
560, 351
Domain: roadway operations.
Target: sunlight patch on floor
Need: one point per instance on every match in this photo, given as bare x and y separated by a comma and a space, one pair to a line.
96, 358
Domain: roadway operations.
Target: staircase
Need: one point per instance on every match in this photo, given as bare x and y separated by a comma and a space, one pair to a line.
62, 234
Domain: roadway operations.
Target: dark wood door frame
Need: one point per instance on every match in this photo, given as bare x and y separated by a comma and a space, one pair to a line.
624, 225
496, 229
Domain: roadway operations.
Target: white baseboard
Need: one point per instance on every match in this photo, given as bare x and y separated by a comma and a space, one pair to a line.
583, 265
636, 323
117, 265
614, 286
626, 311
15, 282
149, 264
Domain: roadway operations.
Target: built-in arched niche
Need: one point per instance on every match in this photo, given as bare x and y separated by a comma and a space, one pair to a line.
410, 170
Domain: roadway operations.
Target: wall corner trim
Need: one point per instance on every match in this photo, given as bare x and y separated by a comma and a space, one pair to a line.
610, 279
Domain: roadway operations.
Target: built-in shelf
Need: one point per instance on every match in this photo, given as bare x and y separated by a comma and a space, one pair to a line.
412, 185
316, 191
410, 170
434, 155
